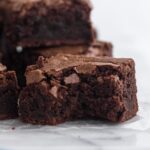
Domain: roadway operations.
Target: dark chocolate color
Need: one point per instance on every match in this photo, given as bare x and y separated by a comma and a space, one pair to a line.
70, 87
18, 60
9, 92
46, 23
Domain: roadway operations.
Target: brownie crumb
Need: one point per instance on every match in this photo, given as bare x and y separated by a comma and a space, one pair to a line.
13, 128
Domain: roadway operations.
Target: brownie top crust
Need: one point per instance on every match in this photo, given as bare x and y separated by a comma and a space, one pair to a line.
25, 5
81, 64
61, 62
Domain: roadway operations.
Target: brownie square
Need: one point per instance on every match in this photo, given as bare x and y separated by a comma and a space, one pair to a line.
20, 59
69, 87
37, 23
9, 92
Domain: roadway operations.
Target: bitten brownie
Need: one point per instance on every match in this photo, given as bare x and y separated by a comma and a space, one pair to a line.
19, 60
34, 23
70, 87
9, 92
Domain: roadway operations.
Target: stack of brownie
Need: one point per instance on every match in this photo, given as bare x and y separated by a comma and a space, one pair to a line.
47, 27
68, 75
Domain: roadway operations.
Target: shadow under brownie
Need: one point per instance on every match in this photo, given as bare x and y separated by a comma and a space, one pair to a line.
68, 87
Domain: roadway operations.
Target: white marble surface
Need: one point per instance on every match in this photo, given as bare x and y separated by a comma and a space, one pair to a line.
127, 24
133, 134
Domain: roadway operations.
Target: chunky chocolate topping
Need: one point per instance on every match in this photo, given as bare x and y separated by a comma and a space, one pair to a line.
34, 76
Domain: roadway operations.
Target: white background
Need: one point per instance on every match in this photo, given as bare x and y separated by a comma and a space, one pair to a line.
126, 23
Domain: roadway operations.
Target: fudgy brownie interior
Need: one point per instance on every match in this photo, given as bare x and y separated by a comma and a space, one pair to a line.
78, 97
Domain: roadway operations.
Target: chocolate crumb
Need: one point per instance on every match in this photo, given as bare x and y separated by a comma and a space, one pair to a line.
13, 128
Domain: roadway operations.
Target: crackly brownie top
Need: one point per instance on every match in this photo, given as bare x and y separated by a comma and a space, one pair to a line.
23, 5
81, 64
60, 62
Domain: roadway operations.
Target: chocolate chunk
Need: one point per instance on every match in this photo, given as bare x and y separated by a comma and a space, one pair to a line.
54, 91
85, 69
72, 79
34, 76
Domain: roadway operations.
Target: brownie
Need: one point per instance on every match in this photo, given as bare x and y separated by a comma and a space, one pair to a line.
34, 23
9, 92
69, 87
19, 59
